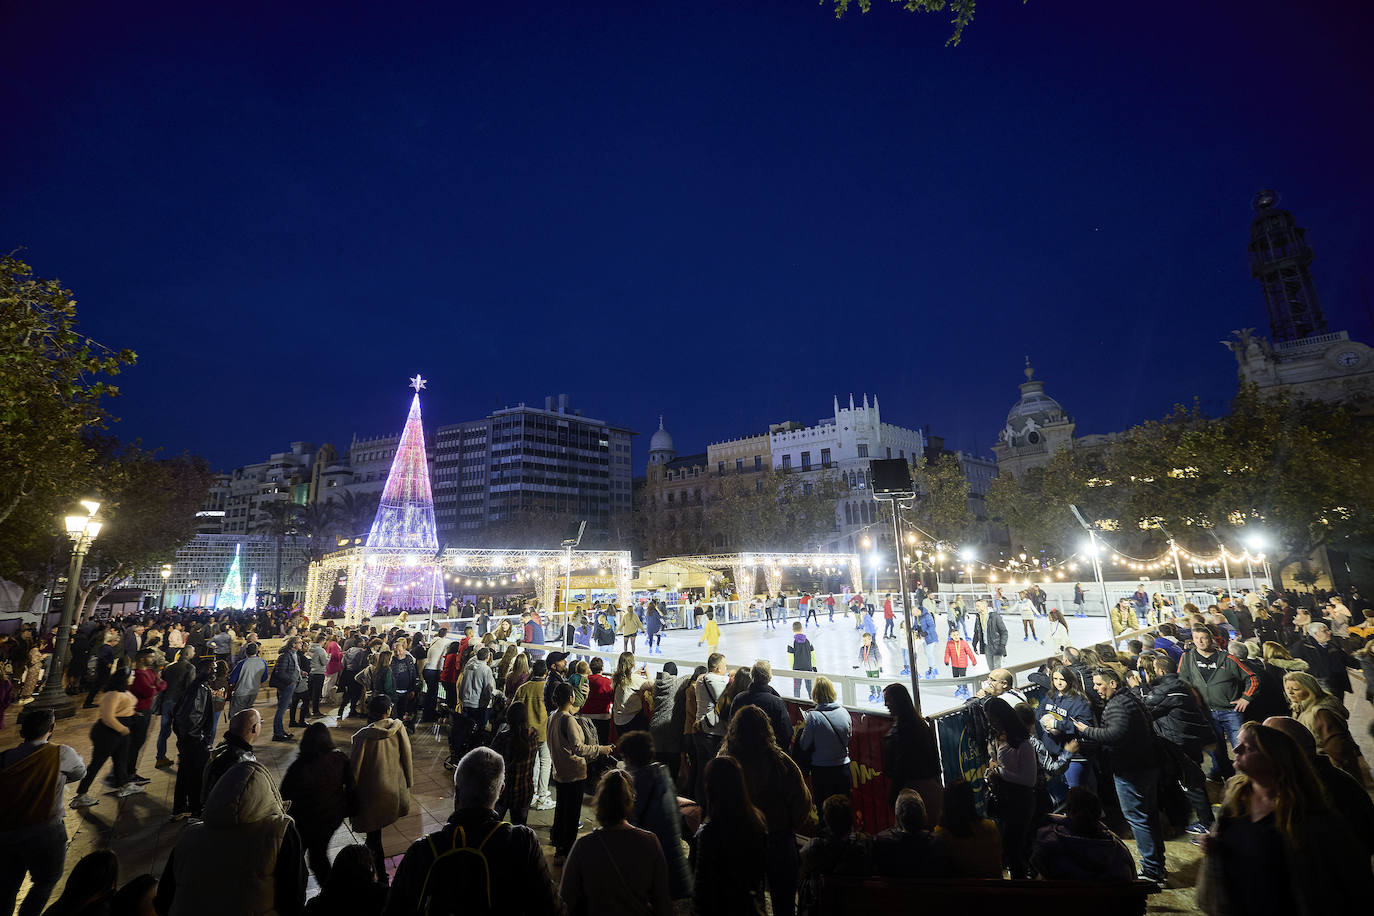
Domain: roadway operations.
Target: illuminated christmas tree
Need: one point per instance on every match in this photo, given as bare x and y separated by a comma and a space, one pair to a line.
403, 531
231, 594
250, 600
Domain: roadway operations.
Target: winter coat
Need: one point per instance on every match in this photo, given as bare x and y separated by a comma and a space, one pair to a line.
909, 759
928, 629
405, 673
766, 699
229, 752
800, 649
1325, 663
321, 793
383, 774
958, 654
531, 693
826, 731
567, 747
669, 714
996, 635
656, 810
1229, 680
1178, 717
1326, 720
243, 859
1064, 708
1062, 855
286, 672
1126, 734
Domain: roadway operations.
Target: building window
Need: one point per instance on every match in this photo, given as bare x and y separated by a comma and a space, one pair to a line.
670, 499
848, 514
758, 462
889, 451
825, 457
806, 461
720, 468
786, 462
863, 450
739, 465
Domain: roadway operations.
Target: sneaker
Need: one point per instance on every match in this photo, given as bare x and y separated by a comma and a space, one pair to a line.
283, 737
162, 763
906, 671
180, 816
1196, 829
132, 788
544, 804
85, 801
1159, 881
139, 780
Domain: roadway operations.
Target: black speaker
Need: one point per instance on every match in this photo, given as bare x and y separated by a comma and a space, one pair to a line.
891, 476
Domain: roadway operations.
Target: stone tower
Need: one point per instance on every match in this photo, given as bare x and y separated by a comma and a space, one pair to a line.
661, 449
1280, 259
1037, 427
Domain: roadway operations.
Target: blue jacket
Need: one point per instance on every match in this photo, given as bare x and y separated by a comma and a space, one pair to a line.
825, 732
927, 625
1066, 707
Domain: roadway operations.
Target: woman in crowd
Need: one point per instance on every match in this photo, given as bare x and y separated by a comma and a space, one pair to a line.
631, 688
319, 785
1077, 846
740, 682
730, 845
518, 674
448, 673
911, 758
629, 631
1325, 718
777, 788
570, 754
1277, 847
110, 740
974, 842
617, 868
826, 730
508, 656
517, 742
300, 700
1012, 773
656, 807
352, 888
1059, 630
376, 678
383, 775
1064, 703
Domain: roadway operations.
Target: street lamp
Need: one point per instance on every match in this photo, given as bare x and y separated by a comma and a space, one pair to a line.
166, 574
83, 530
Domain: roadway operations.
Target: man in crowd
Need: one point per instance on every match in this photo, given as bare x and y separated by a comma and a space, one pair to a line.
177, 676
319, 666
474, 697
286, 676
518, 879
405, 675
1128, 738
194, 727
710, 723
246, 679
236, 747
762, 695
558, 674
33, 838
910, 850
1324, 658
434, 660
1226, 686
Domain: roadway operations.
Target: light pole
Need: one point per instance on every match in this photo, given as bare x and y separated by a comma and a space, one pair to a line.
1225, 566
1097, 560
896, 485
1254, 543
83, 530
166, 574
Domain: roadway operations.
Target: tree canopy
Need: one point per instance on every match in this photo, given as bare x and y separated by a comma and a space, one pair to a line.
961, 11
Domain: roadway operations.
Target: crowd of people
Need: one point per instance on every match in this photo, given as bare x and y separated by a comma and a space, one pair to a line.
707, 795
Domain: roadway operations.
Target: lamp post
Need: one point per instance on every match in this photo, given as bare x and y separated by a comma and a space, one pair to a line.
83, 530
166, 574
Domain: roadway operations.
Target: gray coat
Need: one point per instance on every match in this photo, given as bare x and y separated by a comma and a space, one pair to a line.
669, 716
996, 636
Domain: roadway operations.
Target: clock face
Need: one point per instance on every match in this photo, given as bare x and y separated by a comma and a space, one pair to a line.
1348, 358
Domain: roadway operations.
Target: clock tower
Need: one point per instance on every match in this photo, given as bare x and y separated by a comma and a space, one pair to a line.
1305, 359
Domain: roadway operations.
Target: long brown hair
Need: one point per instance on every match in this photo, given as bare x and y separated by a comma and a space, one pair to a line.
624, 669
1296, 789
726, 799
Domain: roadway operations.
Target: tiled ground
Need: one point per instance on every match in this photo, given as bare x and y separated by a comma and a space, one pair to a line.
138, 829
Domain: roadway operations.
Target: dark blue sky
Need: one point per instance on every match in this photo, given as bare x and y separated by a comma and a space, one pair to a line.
721, 211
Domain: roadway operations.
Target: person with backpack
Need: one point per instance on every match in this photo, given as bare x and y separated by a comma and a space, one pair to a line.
476, 863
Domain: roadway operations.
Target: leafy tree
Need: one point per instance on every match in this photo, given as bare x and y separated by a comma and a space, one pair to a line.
356, 512
149, 510
941, 506
278, 520
52, 383
773, 510
961, 10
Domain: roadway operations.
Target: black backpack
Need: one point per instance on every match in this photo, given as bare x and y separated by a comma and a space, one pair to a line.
464, 881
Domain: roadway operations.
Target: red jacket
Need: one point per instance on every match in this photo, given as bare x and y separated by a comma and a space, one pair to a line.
887, 609
448, 672
958, 654
146, 685
600, 693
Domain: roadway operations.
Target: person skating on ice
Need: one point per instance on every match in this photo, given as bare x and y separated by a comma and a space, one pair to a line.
871, 662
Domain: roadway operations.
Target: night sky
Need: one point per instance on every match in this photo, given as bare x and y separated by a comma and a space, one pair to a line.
725, 212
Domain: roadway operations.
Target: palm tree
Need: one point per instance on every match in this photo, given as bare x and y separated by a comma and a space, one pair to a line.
357, 511
279, 520
316, 533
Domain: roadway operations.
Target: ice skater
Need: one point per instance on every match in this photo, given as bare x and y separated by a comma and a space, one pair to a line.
889, 619
801, 650
768, 623
930, 635
810, 615
1026, 608
653, 628
959, 656
711, 634
830, 606
871, 661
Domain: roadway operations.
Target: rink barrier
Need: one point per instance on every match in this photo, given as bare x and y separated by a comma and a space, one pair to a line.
961, 756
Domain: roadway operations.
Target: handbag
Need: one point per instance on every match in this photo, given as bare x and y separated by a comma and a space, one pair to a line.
1210, 895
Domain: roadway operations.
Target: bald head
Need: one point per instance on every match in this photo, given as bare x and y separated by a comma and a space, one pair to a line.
246, 724
1295, 730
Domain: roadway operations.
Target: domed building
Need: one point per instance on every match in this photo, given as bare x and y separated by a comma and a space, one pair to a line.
1037, 427
661, 449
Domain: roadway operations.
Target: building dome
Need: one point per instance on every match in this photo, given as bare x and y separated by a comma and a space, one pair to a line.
1032, 413
661, 441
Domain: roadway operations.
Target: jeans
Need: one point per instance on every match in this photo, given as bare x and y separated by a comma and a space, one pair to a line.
543, 769
163, 731
283, 703
1227, 723
316, 691
888, 625
106, 744
40, 852
431, 694
566, 813
1139, 797
797, 683
192, 755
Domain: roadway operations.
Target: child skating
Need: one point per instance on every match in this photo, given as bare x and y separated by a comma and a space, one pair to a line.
710, 635
800, 649
871, 661
959, 656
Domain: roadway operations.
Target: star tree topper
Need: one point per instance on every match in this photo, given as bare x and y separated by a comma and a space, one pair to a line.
417, 383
